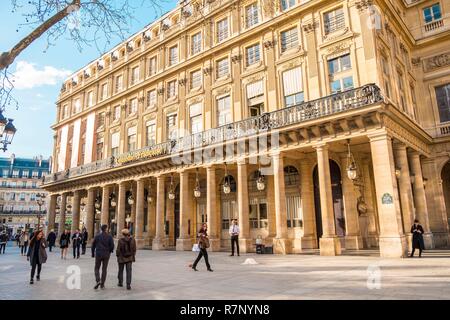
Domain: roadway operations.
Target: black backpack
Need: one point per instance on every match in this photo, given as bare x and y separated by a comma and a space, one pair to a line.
125, 249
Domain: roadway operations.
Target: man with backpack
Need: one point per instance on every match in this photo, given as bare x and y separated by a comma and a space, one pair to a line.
125, 252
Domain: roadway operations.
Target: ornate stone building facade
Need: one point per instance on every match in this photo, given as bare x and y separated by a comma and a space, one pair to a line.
20, 184
317, 124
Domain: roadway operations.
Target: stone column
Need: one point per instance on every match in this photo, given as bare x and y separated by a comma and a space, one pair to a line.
309, 239
245, 243
133, 210
353, 239
420, 199
184, 242
62, 214
392, 240
281, 243
104, 219
90, 213
51, 214
139, 225
76, 211
121, 203
158, 241
151, 219
212, 214
405, 190
330, 244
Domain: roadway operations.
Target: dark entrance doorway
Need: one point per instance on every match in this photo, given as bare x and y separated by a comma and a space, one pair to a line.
338, 207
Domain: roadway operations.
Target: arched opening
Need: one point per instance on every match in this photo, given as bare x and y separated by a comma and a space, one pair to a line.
338, 207
445, 176
228, 203
258, 211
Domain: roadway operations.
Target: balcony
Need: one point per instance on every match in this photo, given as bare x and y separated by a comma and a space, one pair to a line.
276, 120
435, 25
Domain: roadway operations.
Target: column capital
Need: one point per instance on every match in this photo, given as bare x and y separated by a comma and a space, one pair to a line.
241, 161
321, 146
413, 153
377, 136
397, 144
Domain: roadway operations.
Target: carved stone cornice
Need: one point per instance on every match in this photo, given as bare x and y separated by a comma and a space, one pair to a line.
310, 26
436, 62
269, 44
363, 5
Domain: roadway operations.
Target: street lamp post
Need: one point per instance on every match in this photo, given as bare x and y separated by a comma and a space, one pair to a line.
40, 200
7, 131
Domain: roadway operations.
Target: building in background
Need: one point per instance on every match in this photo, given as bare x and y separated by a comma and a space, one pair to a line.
354, 97
20, 185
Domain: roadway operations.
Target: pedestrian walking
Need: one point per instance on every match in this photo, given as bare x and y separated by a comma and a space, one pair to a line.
102, 247
17, 238
24, 240
76, 243
203, 244
126, 255
37, 255
3, 242
64, 242
417, 240
84, 240
234, 234
51, 240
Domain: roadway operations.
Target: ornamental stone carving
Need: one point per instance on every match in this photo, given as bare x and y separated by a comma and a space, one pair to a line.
436, 62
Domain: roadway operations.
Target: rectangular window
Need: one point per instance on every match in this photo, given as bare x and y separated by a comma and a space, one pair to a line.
222, 67
119, 83
5, 173
15, 174
152, 66
258, 214
90, 99
196, 79
115, 142
171, 89
132, 136
251, 15
25, 173
151, 133
77, 106
289, 39
104, 91
386, 77
22, 197
196, 43
334, 21
222, 30
293, 87
443, 102
252, 55
133, 106
340, 74
287, 4
432, 13
134, 75
196, 118
171, 125
99, 149
224, 115
117, 111
173, 55
151, 98
35, 174
401, 91
34, 185
100, 119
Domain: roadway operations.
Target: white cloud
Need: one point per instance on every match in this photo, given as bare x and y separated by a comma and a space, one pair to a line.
28, 76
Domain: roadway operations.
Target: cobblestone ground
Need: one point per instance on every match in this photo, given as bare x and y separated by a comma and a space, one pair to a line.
165, 275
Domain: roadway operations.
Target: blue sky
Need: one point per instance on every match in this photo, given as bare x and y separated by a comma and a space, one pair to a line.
42, 71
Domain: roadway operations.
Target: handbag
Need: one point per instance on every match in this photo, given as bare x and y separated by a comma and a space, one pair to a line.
63, 242
195, 247
204, 243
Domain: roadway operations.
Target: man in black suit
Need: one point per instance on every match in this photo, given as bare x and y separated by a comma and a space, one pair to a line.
102, 247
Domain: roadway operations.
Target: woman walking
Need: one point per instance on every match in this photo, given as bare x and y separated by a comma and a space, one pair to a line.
24, 239
203, 244
37, 254
417, 243
64, 242
126, 253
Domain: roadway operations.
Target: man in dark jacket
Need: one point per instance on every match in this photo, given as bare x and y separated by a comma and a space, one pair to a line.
51, 239
84, 240
3, 241
102, 247
76, 242
126, 253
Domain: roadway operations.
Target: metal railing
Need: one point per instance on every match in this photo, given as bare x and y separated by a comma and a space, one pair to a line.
311, 110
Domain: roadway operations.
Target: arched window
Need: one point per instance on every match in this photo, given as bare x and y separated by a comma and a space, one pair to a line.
291, 176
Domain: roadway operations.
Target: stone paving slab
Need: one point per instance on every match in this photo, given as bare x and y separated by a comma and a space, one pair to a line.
165, 275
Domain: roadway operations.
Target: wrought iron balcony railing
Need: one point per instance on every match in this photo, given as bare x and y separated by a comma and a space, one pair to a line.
311, 110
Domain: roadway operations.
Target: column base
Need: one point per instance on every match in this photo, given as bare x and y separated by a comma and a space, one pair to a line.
214, 245
393, 247
408, 238
309, 242
282, 246
140, 243
246, 246
158, 244
184, 244
428, 240
354, 243
330, 246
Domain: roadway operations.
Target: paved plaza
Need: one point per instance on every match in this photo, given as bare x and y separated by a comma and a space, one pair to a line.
165, 275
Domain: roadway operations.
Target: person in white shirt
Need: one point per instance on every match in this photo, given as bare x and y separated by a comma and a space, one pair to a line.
234, 233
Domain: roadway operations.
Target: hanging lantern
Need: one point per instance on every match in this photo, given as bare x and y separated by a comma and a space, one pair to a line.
226, 183
131, 200
149, 193
352, 172
171, 189
113, 200
260, 183
98, 203
197, 192
82, 206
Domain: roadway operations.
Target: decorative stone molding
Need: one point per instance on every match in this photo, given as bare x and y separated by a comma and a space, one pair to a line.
269, 44
363, 5
160, 91
182, 81
194, 100
336, 34
207, 70
253, 78
222, 90
416, 61
310, 26
339, 47
436, 62
403, 134
236, 58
